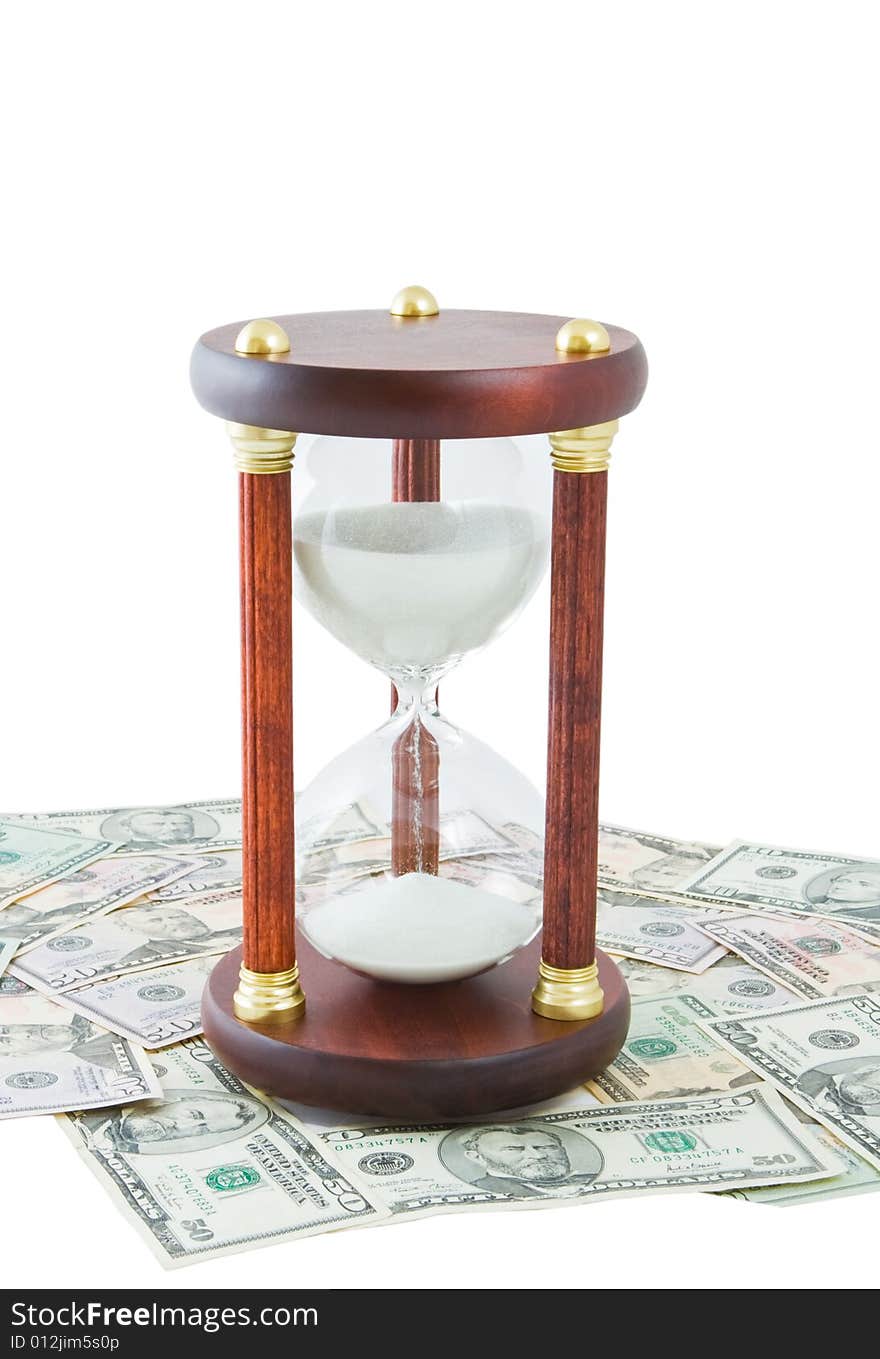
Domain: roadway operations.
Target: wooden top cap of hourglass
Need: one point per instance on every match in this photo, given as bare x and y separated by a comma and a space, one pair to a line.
445, 375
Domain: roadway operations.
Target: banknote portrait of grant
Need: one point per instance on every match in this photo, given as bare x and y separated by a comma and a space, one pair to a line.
152, 828
188, 1120
525, 1160
851, 1085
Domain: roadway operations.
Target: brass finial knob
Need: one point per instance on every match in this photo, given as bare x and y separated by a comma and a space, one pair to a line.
582, 337
415, 301
262, 337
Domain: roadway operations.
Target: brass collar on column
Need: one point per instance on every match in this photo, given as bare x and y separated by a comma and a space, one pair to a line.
261, 451
583, 450
268, 997
568, 992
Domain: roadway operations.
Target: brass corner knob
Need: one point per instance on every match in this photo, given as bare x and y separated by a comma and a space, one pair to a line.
262, 337
581, 336
415, 301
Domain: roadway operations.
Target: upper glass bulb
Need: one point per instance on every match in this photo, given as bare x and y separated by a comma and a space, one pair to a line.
412, 586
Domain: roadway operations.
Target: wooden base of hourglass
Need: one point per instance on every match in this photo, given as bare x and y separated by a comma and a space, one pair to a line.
457, 1049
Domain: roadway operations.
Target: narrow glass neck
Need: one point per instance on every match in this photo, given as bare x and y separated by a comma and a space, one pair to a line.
414, 697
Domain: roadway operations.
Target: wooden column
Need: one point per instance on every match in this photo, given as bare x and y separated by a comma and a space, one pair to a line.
567, 986
415, 801
415, 469
268, 989
267, 722
576, 603
415, 758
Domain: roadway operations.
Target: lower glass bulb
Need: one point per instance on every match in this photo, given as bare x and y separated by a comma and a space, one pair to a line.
420, 854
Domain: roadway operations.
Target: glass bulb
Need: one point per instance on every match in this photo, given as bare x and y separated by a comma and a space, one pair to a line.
419, 849
434, 880
413, 586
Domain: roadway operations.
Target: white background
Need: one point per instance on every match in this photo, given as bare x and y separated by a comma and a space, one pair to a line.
702, 174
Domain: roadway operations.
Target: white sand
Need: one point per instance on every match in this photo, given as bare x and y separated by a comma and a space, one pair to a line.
410, 586
419, 928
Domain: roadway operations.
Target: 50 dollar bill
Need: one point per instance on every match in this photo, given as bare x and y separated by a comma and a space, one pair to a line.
823, 1056
211, 1168
31, 857
152, 1008
51, 1060
718, 1143
187, 828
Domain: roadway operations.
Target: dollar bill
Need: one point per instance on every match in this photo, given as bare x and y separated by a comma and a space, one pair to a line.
813, 958
504, 876
186, 828
854, 1176
734, 1140
761, 877
463, 831
667, 1055
637, 861
213, 1169
528, 841
8, 949
515, 867
730, 985
316, 1119
132, 939
494, 873
464, 835
864, 929
353, 822
824, 1055
91, 891
322, 870
658, 932
31, 857
11, 986
151, 1008
211, 873
51, 1060
466, 832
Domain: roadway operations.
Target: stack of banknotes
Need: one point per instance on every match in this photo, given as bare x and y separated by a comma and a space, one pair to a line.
751, 1068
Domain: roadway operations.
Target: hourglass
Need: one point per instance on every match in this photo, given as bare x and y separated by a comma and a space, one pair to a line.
442, 915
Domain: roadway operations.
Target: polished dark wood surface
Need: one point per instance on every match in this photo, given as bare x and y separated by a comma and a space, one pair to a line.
459, 375
416, 1052
577, 592
267, 721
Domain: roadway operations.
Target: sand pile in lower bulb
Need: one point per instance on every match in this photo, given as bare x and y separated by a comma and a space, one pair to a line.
419, 928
